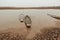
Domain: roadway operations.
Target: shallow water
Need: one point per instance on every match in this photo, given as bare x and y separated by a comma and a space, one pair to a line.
40, 19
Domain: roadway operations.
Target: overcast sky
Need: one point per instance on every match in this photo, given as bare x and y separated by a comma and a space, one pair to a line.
29, 3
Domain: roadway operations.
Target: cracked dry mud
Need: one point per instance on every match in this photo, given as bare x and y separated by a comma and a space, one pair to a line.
47, 34
11, 36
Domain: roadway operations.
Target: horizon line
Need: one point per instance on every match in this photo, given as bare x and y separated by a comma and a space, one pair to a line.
54, 7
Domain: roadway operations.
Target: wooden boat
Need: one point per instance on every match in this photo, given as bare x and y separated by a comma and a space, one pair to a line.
54, 16
27, 21
21, 17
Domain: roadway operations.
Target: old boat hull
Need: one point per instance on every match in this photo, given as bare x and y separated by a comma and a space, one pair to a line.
27, 21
